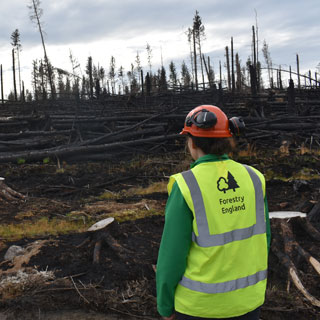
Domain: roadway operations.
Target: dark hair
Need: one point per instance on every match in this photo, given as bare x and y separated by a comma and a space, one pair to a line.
217, 146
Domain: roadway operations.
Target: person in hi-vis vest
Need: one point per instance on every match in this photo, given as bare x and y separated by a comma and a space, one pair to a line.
213, 256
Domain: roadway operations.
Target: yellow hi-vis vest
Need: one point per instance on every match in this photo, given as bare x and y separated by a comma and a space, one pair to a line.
226, 270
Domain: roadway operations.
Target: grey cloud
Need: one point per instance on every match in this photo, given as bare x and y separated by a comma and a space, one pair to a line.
67, 21
84, 21
111, 19
87, 21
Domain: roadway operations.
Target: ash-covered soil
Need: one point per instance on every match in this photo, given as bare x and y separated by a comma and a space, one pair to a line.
57, 272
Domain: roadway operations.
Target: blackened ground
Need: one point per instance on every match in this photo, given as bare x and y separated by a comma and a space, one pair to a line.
123, 282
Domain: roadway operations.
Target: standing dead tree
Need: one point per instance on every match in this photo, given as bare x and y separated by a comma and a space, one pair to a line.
196, 33
228, 67
208, 70
35, 15
189, 33
256, 65
298, 71
1, 80
257, 46
195, 59
14, 76
211, 74
89, 72
185, 76
149, 57
267, 58
15, 37
198, 29
239, 74
232, 66
112, 74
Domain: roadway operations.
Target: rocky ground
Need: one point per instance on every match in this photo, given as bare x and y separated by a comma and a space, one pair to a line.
59, 273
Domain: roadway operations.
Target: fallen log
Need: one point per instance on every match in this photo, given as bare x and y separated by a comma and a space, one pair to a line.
263, 136
122, 135
8, 194
98, 156
19, 145
315, 212
289, 126
293, 272
255, 121
28, 134
309, 228
65, 151
290, 244
109, 135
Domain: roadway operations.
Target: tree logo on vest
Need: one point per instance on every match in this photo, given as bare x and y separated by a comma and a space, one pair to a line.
227, 184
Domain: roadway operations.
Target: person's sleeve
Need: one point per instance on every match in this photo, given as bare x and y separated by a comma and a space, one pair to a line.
267, 223
174, 249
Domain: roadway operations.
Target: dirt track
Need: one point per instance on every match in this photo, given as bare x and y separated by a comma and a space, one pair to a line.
124, 283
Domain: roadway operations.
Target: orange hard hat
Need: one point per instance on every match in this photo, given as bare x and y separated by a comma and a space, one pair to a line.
207, 121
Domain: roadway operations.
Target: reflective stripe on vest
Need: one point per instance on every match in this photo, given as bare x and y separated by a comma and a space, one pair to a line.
205, 239
222, 287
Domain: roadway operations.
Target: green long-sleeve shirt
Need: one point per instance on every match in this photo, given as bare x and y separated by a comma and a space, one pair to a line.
176, 241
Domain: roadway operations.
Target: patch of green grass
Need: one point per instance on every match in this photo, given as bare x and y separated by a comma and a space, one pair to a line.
41, 227
303, 174
132, 214
108, 195
21, 161
160, 186
46, 160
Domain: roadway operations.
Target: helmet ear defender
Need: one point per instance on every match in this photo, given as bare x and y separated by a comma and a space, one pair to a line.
237, 126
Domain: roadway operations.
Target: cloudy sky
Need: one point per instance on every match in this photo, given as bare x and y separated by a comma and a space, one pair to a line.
121, 28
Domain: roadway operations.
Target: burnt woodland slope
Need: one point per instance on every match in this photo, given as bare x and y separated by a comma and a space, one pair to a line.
117, 126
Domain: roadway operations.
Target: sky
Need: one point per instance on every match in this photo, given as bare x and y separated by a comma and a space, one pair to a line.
123, 28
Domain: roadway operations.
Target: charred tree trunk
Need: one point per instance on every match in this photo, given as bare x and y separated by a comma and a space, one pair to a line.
220, 74
253, 80
201, 63
238, 70
211, 73
68, 151
148, 84
1, 80
254, 53
46, 60
207, 70
298, 72
255, 64
23, 96
142, 84
19, 72
232, 66
291, 98
43, 84
310, 79
14, 76
195, 59
280, 79
285, 258
90, 75
228, 68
